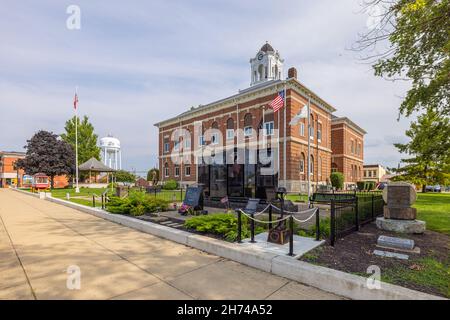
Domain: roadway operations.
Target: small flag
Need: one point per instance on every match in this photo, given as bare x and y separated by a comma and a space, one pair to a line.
303, 114
75, 101
278, 102
224, 199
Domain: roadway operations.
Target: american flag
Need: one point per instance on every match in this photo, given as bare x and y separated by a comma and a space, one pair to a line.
278, 102
75, 101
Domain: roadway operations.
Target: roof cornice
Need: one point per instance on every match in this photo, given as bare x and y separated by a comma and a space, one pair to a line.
248, 94
348, 122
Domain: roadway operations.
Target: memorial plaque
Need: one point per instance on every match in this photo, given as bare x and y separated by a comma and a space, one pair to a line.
397, 243
194, 197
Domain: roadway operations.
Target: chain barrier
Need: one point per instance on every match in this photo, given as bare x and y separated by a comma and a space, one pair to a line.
287, 217
262, 221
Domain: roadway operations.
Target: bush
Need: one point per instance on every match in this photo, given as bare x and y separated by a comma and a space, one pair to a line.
137, 203
365, 185
361, 185
170, 185
371, 185
223, 224
337, 180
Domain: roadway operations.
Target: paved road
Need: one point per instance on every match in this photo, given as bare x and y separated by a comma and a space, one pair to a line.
40, 240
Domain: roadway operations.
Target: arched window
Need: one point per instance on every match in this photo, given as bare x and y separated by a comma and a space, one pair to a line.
248, 125
215, 133
260, 72
230, 129
302, 163
311, 127
319, 167
311, 166
187, 140
166, 170
334, 167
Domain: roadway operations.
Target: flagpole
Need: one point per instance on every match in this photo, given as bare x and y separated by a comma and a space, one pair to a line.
309, 149
284, 137
77, 189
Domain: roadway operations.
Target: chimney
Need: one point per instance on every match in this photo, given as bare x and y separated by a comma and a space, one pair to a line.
292, 73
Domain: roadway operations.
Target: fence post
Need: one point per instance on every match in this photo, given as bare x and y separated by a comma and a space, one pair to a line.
356, 214
103, 203
270, 217
252, 227
291, 236
239, 239
93, 200
332, 222
317, 225
373, 216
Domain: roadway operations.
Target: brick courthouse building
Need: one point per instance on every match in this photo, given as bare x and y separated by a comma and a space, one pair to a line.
231, 123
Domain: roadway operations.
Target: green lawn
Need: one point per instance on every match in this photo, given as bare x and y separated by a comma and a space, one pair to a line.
297, 197
434, 209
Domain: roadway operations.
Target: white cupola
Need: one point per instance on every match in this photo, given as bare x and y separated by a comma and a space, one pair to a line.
267, 65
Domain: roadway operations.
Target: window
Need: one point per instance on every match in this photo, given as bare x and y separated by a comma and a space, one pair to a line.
230, 134
166, 147
176, 146
187, 143
230, 129
353, 146
248, 119
187, 171
311, 128
201, 140
177, 171
302, 163
311, 166
319, 132
166, 170
215, 138
268, 128
319, 169
370, 173
302, 129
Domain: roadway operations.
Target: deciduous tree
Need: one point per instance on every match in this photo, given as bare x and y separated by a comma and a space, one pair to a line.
49, 155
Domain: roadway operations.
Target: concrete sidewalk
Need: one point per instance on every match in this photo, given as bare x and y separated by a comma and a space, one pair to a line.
40, 240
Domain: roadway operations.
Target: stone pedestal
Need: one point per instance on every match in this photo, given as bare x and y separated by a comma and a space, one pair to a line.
401, 226
400, 213
399, 216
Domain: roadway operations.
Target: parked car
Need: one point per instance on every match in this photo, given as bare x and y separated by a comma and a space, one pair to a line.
436, 188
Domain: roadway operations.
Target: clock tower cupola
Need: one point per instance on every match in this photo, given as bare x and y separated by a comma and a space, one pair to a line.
267, 65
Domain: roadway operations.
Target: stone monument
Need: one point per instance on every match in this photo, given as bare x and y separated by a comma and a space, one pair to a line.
399, 216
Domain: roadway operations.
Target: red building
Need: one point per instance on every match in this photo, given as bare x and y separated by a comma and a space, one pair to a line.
239, 122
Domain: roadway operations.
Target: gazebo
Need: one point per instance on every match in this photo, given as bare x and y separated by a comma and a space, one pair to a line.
93, 165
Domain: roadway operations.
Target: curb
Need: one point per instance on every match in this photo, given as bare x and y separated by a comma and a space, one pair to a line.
326, 279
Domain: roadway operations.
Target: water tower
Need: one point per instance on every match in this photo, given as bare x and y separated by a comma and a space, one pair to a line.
111, 153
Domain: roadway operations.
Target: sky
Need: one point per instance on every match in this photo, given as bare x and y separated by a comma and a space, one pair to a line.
139, 62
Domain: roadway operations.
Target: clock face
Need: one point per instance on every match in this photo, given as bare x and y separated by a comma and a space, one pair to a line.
260, 56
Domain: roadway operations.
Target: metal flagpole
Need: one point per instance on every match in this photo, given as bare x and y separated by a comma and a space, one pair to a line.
309, 148
278, 160
77, 189
284, 138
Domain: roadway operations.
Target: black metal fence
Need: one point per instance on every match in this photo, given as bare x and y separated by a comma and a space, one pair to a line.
349, 210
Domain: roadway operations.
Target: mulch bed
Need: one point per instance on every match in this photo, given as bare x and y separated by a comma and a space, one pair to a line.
354, 253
